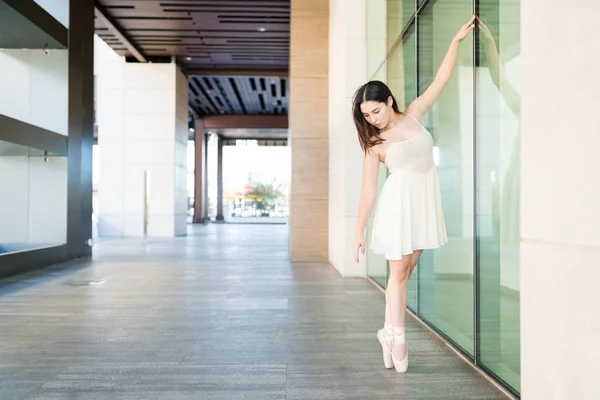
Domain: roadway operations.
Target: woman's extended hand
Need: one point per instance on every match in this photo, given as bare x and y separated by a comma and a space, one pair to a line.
360, 244
464, 30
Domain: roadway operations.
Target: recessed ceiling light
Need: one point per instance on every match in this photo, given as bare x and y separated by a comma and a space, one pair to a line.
262, 29
188, 59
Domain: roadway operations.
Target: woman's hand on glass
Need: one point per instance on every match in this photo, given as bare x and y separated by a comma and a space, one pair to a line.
465, 30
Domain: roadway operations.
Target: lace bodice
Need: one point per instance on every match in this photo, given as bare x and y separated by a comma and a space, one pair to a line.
414, 154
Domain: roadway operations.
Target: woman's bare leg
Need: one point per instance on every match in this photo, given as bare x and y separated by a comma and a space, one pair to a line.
396, 295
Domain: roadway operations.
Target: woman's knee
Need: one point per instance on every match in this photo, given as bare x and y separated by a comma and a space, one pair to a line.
400, 269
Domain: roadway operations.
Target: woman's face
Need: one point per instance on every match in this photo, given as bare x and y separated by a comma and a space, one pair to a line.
376, 113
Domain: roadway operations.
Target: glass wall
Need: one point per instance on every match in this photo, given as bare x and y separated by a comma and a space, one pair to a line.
446, 274
498, 188
468, 290
377, 47
399, 13
33, 196
34, 125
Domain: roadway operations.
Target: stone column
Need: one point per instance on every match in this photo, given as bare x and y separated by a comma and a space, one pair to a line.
199, 172
308, 129
347, 65
220, 179
142, 115
560, 217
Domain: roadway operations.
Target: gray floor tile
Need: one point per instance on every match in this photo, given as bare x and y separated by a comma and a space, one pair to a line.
219, 314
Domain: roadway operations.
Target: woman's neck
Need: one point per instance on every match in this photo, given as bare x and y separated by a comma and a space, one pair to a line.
393, 121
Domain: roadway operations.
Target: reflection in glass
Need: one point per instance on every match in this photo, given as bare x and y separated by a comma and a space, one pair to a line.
402, 80
402, 70
446, 274
376, 35
33, 199
399, 13
377, 265
498, 189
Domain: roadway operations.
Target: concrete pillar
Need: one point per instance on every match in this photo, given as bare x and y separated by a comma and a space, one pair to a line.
142, 116
560, 249
308, 129
220, 179
347, 65
199, 172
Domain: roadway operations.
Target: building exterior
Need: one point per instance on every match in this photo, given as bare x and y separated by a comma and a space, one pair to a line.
514, 290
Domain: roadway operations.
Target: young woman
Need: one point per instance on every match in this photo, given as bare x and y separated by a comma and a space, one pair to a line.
409, 215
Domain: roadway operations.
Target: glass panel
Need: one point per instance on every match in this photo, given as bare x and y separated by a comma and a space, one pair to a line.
34, 72
498, 188
33, 199
376, 35
377, 268
446, 274
402, 70
402, 80
399, 13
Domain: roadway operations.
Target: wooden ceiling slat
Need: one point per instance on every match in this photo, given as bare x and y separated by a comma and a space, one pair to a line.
204, 101
227, 41
252, 96
230, 94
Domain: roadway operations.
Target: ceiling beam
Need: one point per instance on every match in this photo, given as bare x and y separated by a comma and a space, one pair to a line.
238, 72
30, 20
103, 16
246, 122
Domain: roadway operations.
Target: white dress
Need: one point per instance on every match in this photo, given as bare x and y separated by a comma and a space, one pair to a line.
409, 213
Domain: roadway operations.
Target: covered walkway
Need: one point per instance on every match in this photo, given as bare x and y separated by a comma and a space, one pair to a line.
220, 314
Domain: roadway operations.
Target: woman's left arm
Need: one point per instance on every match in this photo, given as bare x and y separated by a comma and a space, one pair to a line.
423, 103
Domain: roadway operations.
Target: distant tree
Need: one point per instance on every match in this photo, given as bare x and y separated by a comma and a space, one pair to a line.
264, 194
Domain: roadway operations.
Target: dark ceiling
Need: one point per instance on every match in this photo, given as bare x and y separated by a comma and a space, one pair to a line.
211, 95
235, 53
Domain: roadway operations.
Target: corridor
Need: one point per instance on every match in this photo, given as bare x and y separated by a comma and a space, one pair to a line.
219, 314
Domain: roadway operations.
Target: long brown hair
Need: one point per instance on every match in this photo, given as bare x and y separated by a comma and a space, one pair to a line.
368, 135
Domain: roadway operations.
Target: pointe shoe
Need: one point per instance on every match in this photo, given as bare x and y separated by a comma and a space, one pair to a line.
400, 340
385, 339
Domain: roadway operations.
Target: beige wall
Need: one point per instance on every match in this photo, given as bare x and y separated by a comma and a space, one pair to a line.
308, 127
141, 112
347, 70
560, 261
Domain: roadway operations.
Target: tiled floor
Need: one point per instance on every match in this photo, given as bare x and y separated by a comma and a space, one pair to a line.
220, 314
